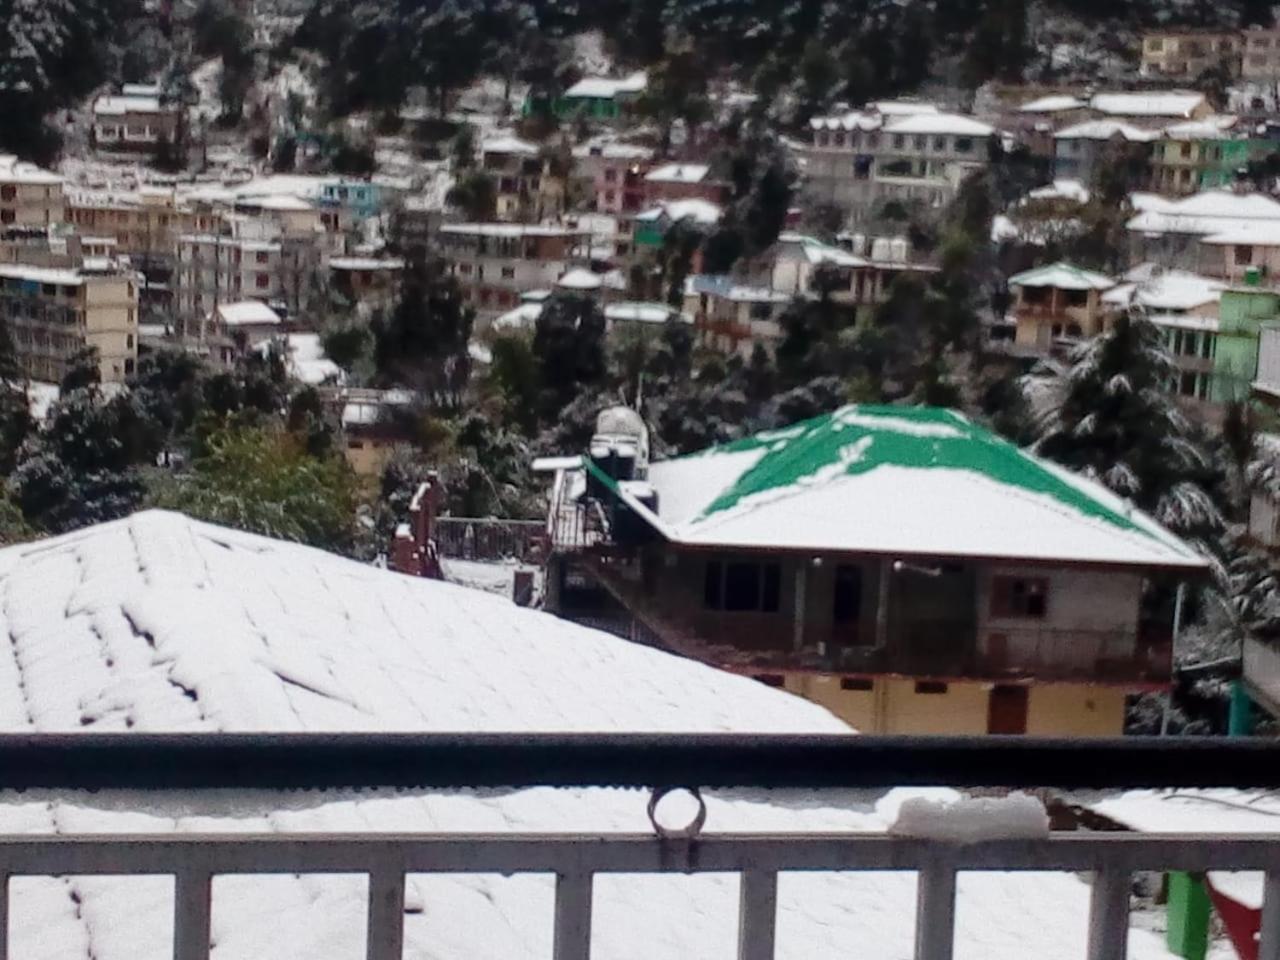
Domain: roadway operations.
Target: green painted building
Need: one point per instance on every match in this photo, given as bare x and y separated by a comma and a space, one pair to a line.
594, 98
1242, 313
1197, 156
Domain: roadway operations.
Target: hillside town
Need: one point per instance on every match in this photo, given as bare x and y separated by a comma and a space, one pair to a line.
894, 368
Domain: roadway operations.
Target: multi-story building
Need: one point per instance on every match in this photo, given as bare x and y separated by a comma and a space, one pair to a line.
902, 566
1214, 232
1260, 54
528, 188
1203, 155
912, 153
1056, 304
135, 119
29, 196
1184, 306
495, 263
613, 173
1243, 314
366, 280
1188, 53
52, 313
731, 316
1078, 150
682, 181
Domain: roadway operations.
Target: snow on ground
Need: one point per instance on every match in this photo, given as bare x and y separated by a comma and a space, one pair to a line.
159, 623
496, 577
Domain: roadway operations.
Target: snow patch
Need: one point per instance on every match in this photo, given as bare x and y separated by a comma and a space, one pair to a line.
972, 819
851, 417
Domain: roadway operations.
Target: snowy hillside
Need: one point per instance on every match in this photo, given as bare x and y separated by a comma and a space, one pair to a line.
160, 623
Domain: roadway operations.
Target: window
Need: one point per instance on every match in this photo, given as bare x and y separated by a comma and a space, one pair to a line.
7, 216
861, 167
1155, 44
464, 269
921, 143
739, 586
262, 256
857, 683
899, 141
846, 605
128, 342
261, 281
508, 273
8, 192
1076, 298
128, 366
610, 175
964, 144
930, 687
939, 143
1244, 254
1019, 597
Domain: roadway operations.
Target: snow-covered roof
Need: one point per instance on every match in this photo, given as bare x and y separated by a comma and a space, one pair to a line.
119, 106
509, 144
853, 120
1063, 276
702, 212
1167, 103
1246, 232
939, 123
636, 311
521, 318
13, 170
512, 230
305, 359
1206, 213
1170, 290
902, 108
1052, 104
900, 481
613, 150
728, 288
247, 313
608, 87
1107, 130
22, 271
580, 278
366, 263
1210, 128
160, 624
278, 202
678, 173
1065, 189
817, 252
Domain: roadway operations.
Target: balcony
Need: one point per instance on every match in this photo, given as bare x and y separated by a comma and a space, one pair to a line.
815, 764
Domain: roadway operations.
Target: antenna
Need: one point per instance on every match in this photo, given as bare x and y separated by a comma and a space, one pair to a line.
640, 392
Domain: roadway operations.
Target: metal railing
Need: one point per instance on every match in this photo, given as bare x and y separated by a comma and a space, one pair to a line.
171, 762
473, 538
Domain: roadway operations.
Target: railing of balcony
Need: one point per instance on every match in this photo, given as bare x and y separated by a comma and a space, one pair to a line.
172, 762
474, 538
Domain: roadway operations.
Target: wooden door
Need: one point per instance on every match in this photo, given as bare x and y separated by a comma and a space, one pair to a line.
1007, 710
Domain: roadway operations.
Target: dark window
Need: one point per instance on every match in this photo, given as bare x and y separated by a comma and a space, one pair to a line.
930, 686
771, 679
1076, 298
1019, 597
963, 144
857, 683
846, 604
742, 586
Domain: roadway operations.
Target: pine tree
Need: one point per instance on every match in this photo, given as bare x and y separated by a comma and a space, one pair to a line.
1112, 417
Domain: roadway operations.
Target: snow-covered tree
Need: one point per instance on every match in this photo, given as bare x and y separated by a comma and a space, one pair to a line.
1111, 416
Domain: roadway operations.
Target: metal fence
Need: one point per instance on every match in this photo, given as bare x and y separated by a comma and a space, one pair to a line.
164, 762
473, 538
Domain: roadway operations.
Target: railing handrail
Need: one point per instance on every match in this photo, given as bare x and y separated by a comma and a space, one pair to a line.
302, 760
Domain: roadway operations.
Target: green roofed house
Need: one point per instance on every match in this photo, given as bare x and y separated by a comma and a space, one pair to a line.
902, 566
1055, 305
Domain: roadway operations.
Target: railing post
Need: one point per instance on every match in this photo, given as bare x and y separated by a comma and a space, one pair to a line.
192, 888
1109, 916
4, 915
935, 912
386, 913
572, 938
757, 914
1269, 935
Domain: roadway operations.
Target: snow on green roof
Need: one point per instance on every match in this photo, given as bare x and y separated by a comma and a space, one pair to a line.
1064, 276
901, 480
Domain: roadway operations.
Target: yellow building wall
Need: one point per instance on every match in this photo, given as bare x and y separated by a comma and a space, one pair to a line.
1075, 710
855, 707
961, 710
893, 706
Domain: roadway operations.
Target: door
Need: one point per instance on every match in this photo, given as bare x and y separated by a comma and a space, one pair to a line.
1007, 710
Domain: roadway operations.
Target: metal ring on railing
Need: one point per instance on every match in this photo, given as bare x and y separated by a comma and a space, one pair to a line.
690, 830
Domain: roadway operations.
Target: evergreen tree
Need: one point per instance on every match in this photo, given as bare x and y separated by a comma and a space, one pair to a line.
568, 343
1111, 417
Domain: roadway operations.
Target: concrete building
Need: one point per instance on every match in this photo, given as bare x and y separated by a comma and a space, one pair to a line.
1260, 55
1243, 313
52, 313
614, 174
1205, 154
731, 316
1056, 305
367, 280
1214, 232
134, 120
29, 196
682, 181
1151, 108
1185, 54
913, 152
528, 187
901, 566
1079, 149
495, 263
596, 98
